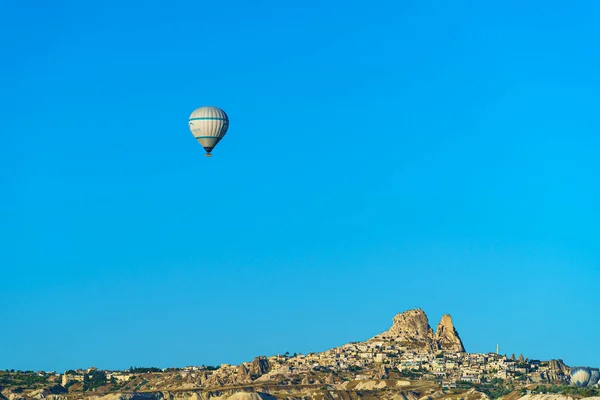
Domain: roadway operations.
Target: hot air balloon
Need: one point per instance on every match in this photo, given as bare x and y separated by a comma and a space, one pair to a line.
208, 126
580, 376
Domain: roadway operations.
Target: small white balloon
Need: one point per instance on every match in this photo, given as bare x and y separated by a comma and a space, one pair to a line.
208, 126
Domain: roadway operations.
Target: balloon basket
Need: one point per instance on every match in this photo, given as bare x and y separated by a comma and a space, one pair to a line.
208, 155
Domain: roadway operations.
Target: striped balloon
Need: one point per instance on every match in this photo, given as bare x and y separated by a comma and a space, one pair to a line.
208, 126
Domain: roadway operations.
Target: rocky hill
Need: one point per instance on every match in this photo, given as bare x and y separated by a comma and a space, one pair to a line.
411, 328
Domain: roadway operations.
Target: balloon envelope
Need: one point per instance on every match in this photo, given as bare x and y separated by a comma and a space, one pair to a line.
208, 126
580, 376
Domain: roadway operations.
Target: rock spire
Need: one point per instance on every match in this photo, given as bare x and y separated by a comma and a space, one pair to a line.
412, 328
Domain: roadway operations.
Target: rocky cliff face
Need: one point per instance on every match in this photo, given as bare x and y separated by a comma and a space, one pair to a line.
558, 370
412, 327
446, 336
259, 366
243, 375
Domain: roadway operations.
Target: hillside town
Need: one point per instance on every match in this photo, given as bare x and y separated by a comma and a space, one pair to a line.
410, 351
374, 360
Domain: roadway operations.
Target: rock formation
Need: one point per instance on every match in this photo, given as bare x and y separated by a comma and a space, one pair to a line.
259, 366
446, 335
412, 328
203, 377
243, 375
214, 380
411, 325
558, 370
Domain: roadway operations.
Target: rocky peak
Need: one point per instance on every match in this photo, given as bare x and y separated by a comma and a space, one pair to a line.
446, 336
558, 365
558, 370
259, 366
412, 328
409, 326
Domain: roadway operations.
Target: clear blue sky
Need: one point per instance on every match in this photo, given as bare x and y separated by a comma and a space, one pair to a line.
381, 156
